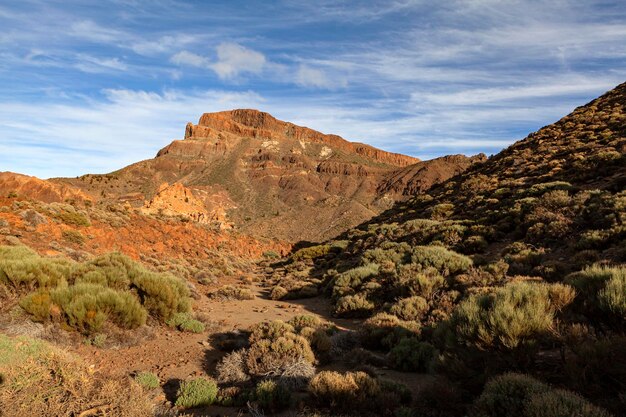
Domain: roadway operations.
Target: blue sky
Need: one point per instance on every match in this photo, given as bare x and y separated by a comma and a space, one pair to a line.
89, 87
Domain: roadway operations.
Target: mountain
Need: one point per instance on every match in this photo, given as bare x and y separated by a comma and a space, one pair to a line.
272, 178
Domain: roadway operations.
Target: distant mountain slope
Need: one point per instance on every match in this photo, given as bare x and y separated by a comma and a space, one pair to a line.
273, 178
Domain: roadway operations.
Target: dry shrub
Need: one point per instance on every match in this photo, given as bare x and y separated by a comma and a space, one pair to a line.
347, 391
311, 252
232, 368
270, 330
296, 375
269, 357
357, 392
230, 292
74, 236
305, 320
41, 380
562, 403
278, 293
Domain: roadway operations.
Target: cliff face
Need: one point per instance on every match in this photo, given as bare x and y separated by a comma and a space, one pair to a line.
271, 178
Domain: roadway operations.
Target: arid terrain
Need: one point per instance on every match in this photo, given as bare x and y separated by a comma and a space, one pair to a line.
257, 267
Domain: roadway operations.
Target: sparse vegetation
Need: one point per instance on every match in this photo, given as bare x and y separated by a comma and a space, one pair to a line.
521, 395
148, 380
196, 392
186, 323
110, 288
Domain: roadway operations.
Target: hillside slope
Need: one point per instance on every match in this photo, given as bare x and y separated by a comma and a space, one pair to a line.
517, 264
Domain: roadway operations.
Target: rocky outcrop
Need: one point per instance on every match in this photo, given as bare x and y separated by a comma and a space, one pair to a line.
178, 200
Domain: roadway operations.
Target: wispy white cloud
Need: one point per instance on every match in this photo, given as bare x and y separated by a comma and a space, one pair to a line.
308, 76
234, 59
92, 31
91, 64
186, 58
161, 45
102, 135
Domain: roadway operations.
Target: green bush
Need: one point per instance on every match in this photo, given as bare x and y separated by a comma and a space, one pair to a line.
87, 306
512, 315
507, 395
517, 395
561, 403
311, 252
272, 396
185, 323
74, 236
162, 294
22, 268
353, 279
73, 217
38, 305
148, 380
196, 392
384, 331
411, 355
414, 280
412, 308
442, 259
353, 306
271, 254
602, 292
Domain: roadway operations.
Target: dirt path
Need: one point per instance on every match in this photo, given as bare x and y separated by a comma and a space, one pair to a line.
176, 355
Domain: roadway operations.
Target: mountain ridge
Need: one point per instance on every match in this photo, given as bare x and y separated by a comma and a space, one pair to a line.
272, 178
